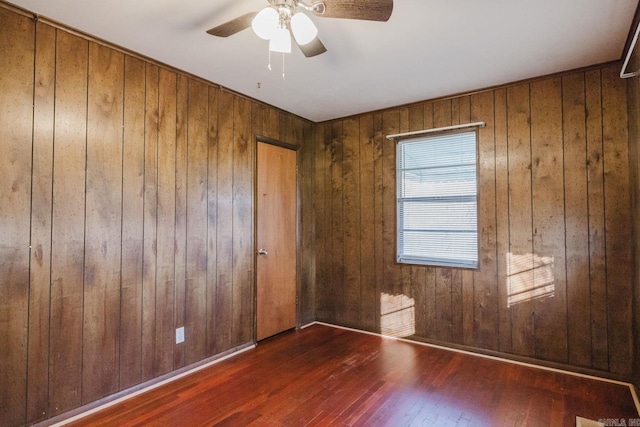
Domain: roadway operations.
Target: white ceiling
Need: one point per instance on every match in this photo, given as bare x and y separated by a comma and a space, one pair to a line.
427, 49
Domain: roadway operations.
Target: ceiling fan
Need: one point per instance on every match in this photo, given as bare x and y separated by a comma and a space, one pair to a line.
284, 18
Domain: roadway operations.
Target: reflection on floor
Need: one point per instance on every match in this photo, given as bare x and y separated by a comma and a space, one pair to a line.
323, 375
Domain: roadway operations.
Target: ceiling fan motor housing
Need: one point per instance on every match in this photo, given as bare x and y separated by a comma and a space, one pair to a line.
289, 3
318, 7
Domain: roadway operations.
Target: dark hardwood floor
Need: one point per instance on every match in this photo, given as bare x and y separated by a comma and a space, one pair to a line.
328, 376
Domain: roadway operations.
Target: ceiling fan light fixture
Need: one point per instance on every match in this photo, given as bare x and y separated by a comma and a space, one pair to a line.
265, 23
280, 41
303, 28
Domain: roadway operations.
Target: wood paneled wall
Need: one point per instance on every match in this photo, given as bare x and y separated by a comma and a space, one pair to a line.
633, 90
127, 208
554, 198
126, 211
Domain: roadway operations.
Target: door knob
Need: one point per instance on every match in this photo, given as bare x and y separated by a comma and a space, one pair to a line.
262, 252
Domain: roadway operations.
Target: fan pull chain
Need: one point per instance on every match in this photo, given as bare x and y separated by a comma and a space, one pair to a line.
283, 68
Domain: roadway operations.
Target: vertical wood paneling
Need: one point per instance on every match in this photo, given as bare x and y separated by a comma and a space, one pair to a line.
243, 147
224, 248
67, 245
133, 173
271, 126
258, 112
306, 263
485, 286
546, 207
391, 283
322, 222
548, 220
16, 105
576, 219
337, 280
196, 223
368, 293
617, 195
150, 223
351, 221
502, 219
103, 223
165, 267
212, 221
41, 206
320, 217
633, 102
378, 183
180, 278
104, 150
520, 255
595, 200
285, 127
139, 213
298, 133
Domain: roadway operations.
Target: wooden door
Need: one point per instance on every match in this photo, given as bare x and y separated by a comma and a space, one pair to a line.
276, 240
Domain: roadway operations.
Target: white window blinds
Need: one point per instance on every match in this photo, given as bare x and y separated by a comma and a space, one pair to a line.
437, 208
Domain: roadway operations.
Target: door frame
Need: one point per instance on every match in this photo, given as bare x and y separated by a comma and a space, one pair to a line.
297, 149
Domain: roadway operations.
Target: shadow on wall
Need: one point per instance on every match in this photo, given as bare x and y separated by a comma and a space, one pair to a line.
529, 277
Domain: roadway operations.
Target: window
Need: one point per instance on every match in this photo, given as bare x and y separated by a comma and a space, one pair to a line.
437, 216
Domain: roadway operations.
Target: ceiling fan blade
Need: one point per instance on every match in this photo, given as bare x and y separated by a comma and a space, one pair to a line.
234, 26
370, 10
313, 48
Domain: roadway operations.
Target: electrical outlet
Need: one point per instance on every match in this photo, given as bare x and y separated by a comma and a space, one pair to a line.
180, 335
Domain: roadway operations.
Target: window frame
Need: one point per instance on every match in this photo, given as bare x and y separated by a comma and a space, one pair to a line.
422, 136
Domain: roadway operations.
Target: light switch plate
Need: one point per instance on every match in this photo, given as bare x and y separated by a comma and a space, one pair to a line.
180, 335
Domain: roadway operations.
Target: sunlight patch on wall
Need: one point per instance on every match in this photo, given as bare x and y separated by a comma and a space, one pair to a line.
397, 315
529, 277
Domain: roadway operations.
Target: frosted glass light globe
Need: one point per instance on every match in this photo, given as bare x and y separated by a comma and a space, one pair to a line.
265, 23
280, 41
303, 28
